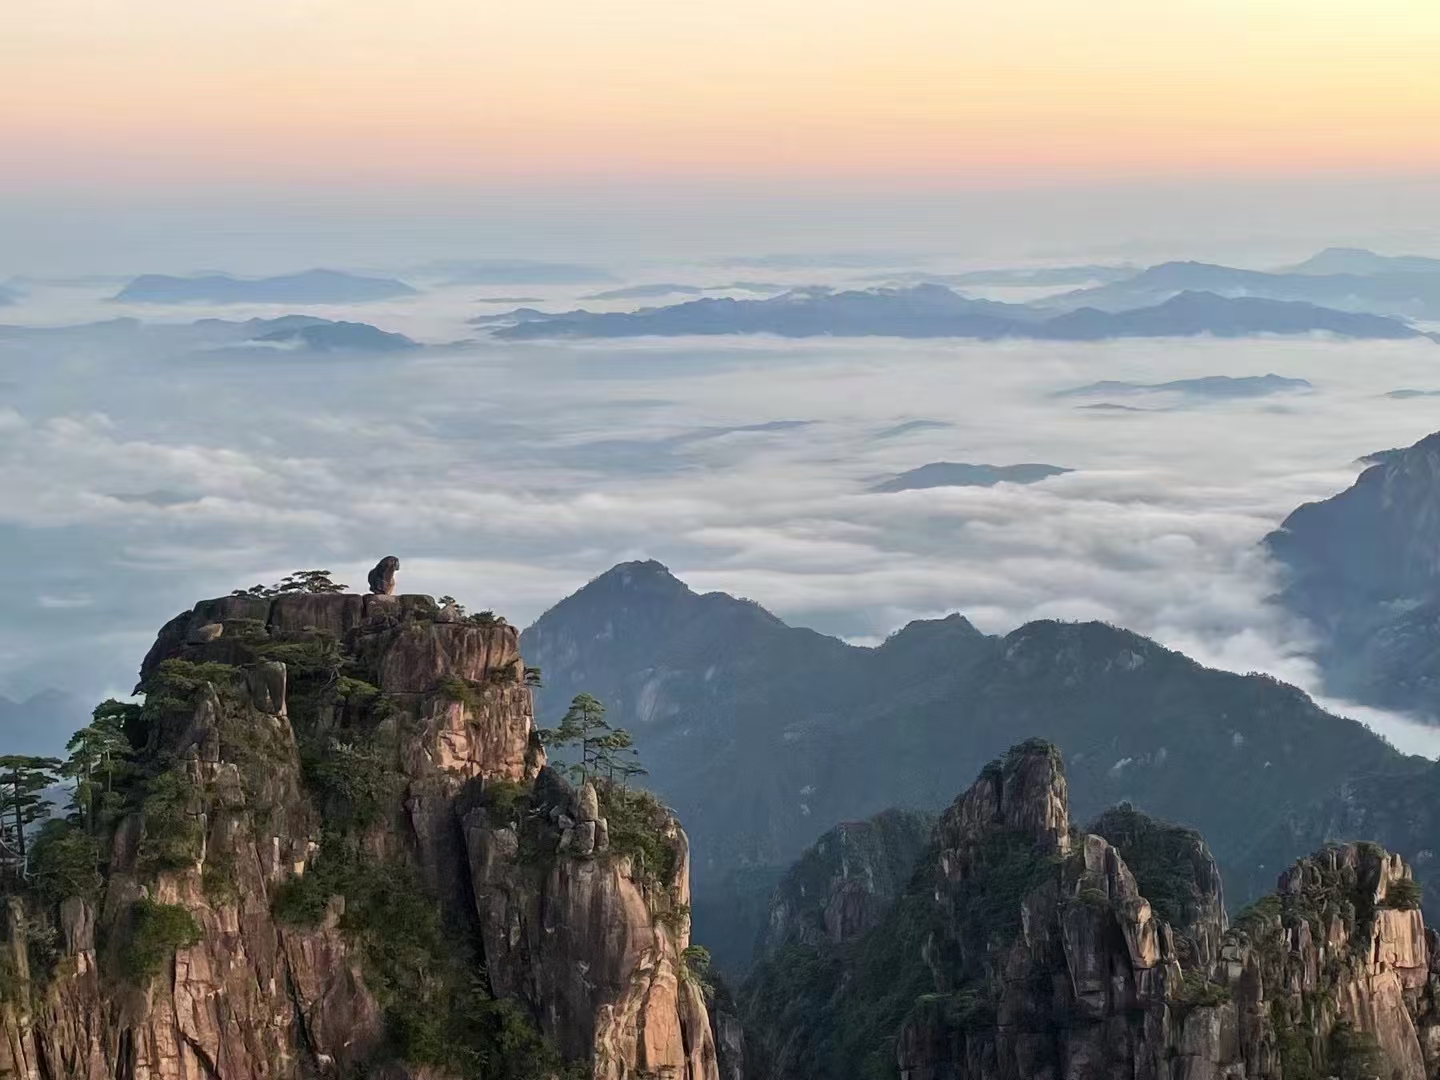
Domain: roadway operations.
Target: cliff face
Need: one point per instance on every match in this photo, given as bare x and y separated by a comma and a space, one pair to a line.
1024, 947
299, 877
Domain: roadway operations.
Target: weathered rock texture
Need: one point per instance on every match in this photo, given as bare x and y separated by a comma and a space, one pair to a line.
274, 726
1025, 948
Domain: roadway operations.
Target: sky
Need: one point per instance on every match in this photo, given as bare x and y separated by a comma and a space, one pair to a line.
451, 93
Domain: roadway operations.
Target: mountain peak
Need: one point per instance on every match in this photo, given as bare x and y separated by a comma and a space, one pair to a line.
638, 576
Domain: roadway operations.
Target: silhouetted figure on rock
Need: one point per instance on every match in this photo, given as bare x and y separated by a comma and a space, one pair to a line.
382, 578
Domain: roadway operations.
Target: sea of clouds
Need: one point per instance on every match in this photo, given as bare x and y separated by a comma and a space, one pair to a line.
143, 468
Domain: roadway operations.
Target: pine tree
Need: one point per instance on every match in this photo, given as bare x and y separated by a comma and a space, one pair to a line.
97, 753
617, 756
583, 725
23, 778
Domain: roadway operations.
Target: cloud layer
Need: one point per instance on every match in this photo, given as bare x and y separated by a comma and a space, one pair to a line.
141, 471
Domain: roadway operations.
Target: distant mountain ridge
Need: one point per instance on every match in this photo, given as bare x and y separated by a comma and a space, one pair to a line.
1363, 262
764, 735
1413, 292
306, 287
924, 311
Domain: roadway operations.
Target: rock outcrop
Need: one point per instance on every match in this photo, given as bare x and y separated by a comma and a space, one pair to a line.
307, 873
1025, 947
842, 887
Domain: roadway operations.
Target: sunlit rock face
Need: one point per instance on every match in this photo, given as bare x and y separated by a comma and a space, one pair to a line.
307, 734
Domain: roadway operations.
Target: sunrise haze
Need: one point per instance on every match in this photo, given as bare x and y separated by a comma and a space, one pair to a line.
438, 91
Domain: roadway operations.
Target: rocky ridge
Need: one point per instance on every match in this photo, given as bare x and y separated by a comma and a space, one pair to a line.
1027, 947
340, 852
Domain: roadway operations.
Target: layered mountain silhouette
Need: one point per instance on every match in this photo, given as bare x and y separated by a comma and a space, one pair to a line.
1413, 291
765, 735
307, 287
924, 311
307, 333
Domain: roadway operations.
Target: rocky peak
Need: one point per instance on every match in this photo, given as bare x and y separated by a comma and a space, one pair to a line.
1022, 794
1036, 951
340, 852
1175, 870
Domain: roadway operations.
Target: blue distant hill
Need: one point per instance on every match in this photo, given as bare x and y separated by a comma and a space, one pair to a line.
926, 311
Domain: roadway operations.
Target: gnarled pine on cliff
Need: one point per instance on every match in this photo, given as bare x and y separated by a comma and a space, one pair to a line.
336, 851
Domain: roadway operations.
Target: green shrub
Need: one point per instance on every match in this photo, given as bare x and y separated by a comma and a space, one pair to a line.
173, 685
1198, 991
156, 932
695, 969
218, 876
454, 688
503, 801
1404, 895
309, 656
64, 862
1355, 1055
173, 836
357, 782
637, 825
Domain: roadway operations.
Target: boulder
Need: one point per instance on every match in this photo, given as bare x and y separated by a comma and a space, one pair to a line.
587, 807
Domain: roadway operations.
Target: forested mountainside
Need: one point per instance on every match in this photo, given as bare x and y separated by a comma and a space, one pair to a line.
1025, 946
763, 736
328, 844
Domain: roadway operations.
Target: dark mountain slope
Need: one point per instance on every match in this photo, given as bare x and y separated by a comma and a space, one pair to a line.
1364, 568
763, 736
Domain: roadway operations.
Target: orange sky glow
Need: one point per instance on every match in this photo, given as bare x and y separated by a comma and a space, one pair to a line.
459, 91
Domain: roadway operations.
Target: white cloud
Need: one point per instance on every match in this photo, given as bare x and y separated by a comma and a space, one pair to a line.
508, 476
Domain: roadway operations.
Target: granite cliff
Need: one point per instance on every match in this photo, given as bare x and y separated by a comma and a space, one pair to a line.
336, 850
1024, 946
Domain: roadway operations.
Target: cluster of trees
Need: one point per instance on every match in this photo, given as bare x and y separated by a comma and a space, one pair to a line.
301, 581
604, 752
99, 758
